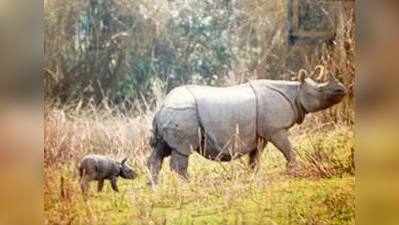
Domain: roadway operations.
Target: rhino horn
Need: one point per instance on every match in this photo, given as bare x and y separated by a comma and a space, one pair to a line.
302, 74
322, 76
124, 160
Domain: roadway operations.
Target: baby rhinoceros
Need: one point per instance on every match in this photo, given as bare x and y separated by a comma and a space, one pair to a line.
100, 168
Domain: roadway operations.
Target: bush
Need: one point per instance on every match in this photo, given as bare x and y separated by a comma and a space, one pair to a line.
327, 153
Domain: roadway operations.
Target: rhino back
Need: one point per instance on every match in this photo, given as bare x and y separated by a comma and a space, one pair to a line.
224, 111
99, 167
179, 98
228, 115
177, 121
220, 111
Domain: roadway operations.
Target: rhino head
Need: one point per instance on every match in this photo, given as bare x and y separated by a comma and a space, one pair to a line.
320, 93
125, 171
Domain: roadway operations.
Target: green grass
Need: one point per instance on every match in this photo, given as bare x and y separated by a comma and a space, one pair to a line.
220, 193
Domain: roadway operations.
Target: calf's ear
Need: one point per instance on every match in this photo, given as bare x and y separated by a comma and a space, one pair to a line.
124, 161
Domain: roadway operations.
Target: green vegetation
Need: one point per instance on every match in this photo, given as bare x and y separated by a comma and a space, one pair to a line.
219, 193
118, 48
108, 65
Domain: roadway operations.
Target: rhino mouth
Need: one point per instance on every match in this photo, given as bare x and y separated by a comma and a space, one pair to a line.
130, 175
336, 96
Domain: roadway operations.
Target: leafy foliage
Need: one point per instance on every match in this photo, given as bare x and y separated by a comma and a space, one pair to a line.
116, 50
103, 48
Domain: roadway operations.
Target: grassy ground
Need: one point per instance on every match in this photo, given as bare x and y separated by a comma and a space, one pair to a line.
217, 193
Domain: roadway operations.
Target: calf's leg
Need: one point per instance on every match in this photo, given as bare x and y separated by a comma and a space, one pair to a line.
84, 184
114, 185
100, 185
179, 164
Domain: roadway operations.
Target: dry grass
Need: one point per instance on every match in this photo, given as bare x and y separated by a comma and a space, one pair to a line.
73, 130
68, 136
326, 151
218, 193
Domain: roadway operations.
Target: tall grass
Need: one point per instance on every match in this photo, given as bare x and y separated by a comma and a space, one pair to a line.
73, 130
218, 193
68, 136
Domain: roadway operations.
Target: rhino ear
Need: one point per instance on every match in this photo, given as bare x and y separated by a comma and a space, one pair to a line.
302, 74
124, 161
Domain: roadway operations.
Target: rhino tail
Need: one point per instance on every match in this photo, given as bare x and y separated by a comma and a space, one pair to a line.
155, 136
82, 171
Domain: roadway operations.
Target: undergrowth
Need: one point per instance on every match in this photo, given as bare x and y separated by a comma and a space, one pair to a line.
217, 193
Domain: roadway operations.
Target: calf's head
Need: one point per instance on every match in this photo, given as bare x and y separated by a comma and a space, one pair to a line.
125, 171
320, 93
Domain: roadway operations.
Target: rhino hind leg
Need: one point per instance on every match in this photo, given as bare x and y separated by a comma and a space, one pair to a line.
154, 163
254, 155
179, 164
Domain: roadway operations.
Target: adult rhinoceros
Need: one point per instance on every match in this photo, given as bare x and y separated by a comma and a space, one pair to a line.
223, 123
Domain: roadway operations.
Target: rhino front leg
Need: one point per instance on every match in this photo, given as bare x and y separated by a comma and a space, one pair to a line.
282, 143
179, 164
100, 185
84, 184
114, 184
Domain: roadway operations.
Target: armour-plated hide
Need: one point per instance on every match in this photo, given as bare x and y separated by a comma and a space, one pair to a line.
99, 168
224, 122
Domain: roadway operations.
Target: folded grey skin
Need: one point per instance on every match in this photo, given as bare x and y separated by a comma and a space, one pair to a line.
233, 117
223, 123
99, 168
